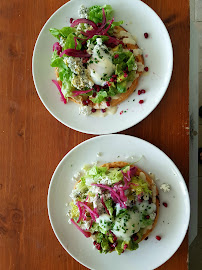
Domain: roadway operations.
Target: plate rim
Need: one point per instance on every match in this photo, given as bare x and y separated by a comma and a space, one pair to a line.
135, 138
117, 129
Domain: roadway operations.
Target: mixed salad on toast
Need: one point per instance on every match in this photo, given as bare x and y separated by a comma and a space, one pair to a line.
97, 62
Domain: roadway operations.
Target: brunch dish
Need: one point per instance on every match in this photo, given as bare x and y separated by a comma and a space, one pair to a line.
136, 206
116, 204
98, 63
105, 61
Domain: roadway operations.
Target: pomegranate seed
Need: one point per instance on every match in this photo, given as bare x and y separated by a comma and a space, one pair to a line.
93, 110
139, 92
94, 94
71, 20
146, 35
125, 75
103, 110
113, 245
105, 86
109, 99
125, 247
116, 56
108, 103
147, 217
158, 237
146, 238
97, 88
141, 101
135, 237
112, 80
146, 69
131, 50
87, 101
143, 91
94, 243
98, 246
108, 83
84, 103
165, 204
114, 76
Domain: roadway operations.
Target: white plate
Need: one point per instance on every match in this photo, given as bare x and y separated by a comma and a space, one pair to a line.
138, 18
173, 220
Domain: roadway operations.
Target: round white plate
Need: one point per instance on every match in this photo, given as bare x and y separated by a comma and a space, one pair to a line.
138, 19
173, 220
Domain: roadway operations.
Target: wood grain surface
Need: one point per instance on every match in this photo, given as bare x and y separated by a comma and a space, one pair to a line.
32, 142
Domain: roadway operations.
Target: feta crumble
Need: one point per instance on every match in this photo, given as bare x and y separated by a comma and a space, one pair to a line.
165, 187
85, 110
152, 216
83, 12
62, 41
81, 77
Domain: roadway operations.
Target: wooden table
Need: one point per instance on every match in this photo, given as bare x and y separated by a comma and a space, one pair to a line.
32, 142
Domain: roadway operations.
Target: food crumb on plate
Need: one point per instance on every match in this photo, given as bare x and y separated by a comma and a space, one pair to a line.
165, 187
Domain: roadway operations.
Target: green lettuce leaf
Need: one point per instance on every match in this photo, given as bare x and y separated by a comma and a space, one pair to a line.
93, 39
142, 186
121, 87
115, 175
131, 63
108, 204
95, 13
66, 76
70, 43
64, 32
100, 97
57, 61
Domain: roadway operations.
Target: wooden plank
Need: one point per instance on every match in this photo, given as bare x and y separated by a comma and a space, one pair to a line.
32, 142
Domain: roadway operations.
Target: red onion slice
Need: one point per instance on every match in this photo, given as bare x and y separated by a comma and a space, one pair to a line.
75, 53
57, 47
76, 93
76, 22
59, 88
87, 234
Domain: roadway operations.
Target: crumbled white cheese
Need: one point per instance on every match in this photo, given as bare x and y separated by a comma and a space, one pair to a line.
81, 77
165, 187
146, 197
62, 41
106, 181
83, 12
76, 176
95, 190
98, 204
69, 221
85, 225
94, 163
85, 110
152, 216
99, 154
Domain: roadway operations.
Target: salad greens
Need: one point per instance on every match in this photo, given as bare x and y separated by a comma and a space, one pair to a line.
80, 39
114, 205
